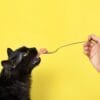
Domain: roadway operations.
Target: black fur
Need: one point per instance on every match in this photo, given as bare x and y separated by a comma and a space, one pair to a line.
15, 76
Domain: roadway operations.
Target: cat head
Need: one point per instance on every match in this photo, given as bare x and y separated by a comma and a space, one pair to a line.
22, 60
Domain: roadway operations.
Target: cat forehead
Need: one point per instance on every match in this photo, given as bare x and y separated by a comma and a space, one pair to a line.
18, 52
15, 55
22, 49
25, 49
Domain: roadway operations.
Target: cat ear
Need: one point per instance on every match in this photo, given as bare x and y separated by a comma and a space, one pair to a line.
9, 52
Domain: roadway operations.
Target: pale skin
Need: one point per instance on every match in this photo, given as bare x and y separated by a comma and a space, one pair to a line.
92, 51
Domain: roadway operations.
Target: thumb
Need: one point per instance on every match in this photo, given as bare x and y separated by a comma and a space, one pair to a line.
94, 38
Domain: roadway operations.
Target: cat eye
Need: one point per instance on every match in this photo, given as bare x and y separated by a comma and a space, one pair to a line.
25, 54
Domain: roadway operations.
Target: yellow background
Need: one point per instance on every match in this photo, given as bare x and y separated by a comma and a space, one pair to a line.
68, 74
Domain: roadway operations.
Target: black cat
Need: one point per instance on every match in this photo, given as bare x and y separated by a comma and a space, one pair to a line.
15, 76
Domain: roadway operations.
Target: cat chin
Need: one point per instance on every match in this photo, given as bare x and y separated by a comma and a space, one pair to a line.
36, 61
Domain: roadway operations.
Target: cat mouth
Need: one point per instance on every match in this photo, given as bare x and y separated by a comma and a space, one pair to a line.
36, 60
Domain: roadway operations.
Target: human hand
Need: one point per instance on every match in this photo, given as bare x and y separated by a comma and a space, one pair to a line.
92, 50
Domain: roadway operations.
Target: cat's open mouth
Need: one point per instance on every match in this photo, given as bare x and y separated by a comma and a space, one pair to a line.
36, 60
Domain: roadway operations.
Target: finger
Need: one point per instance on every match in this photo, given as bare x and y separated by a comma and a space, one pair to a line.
94, 38
87, 44
92, 44
86, 48
87, 53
